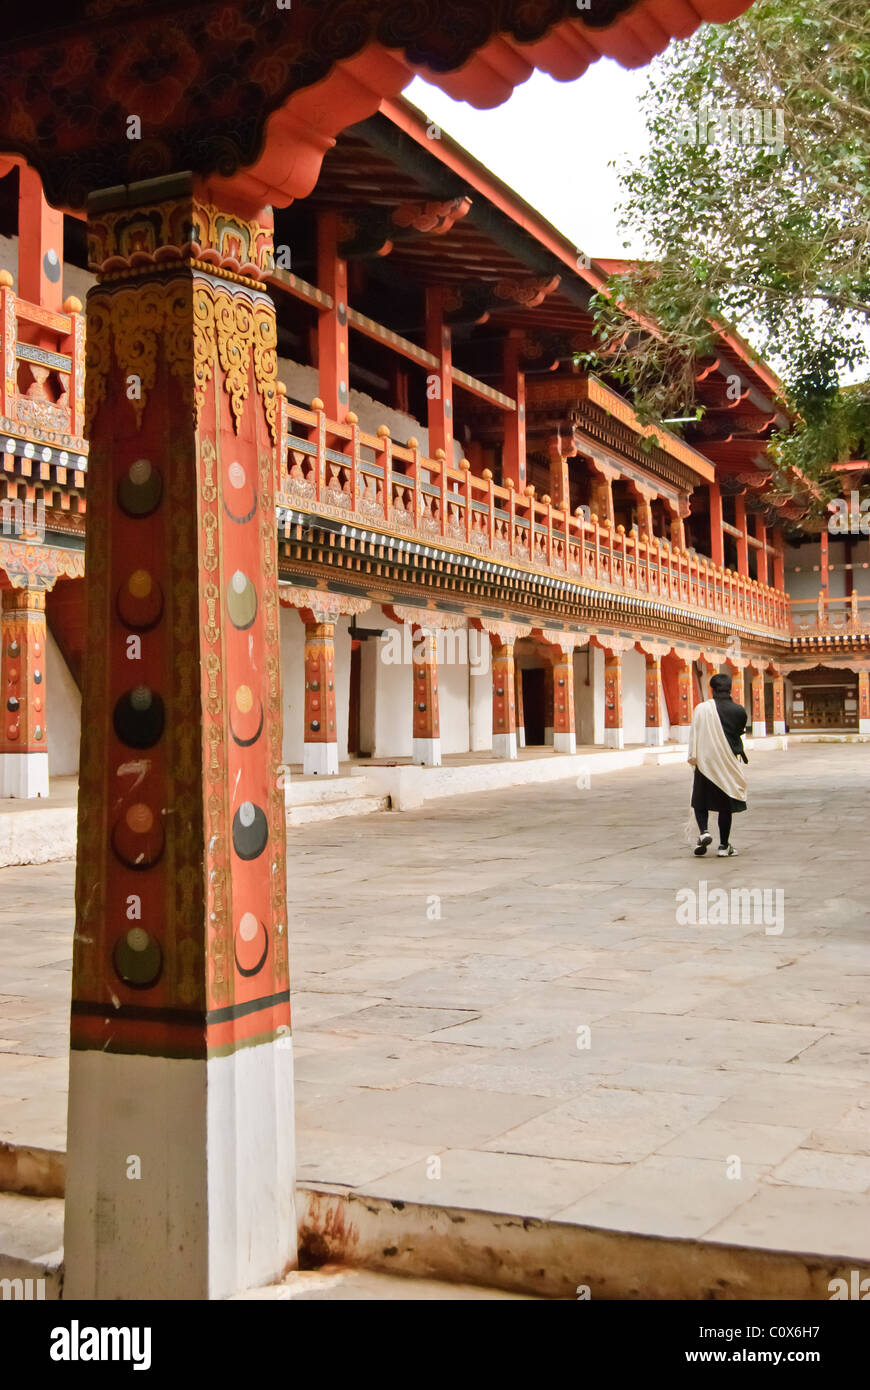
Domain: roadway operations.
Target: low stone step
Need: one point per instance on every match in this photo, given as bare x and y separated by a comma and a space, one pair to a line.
334, 810
308, 791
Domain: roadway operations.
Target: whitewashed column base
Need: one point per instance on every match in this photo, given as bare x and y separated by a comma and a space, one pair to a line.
320, 759
779, 726
864, 726
549, 738
23, 775
521, 737
614, 738
565, 743
759, 728
680, 733
655, 736
213, 1212
504, 746
427, 752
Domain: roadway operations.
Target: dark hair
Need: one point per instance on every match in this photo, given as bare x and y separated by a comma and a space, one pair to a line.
721, 684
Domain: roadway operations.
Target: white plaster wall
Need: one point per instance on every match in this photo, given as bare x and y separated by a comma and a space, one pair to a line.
453, 705
393, 694
63, 713
634, 697
480, 696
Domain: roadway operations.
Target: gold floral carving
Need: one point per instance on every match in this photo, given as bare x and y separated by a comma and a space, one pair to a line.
192, 325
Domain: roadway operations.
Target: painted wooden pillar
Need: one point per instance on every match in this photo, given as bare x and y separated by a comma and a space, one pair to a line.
717, 535
685, 702
601, 492
742, 544
513, 463
320, 747
614, 736
678, 530
23, 749
180, 1036
655, 713
439, 383
333, 385
779, 704
504, 709
521, 717
560, 487
564, 730
644, 513
40, 245
864, 701
427, 730
778, 562
738, 693
761, 551
824, 572
759, 720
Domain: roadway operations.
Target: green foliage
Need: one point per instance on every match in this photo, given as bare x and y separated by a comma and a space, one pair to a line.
771, 231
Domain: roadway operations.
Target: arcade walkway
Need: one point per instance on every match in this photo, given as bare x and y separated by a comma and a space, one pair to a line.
452, 964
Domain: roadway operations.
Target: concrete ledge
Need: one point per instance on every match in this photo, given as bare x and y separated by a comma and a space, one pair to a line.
37, 837
548, 1259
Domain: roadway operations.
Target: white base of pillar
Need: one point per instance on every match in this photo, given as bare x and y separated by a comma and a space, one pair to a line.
655, 736
23, 774
614, 738
680, 733
427, 752
549, 737
320, 759
779, 726
759, 728
504, 746
864, 726
565, 743
521, 737
208, 1210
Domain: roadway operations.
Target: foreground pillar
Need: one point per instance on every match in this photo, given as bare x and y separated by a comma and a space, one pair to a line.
521, 715
864, 701
655, 714
564, 731
738, 692
614, 736
23, 750
427, 729
685, 703
180, 1149
320, 748
504, 709
779, 704
759, 720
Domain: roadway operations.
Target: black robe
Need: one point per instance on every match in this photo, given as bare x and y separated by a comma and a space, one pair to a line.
706, 796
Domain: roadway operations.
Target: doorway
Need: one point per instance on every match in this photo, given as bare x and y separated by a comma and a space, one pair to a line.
534, 704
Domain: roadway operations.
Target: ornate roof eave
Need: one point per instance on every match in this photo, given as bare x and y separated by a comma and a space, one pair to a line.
74, 74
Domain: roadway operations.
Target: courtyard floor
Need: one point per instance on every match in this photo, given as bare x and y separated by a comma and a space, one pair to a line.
497, 1005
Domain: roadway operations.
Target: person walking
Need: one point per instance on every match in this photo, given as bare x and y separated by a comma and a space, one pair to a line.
715, 750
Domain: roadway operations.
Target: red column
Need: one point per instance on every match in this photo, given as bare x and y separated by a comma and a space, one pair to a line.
23, 751
613, 731
549, 718
655, 733
320, 749
180, 1037
761, 535
427, 730
521, 718
738, 693
439, 382
717, 537
823, 570
514, 448
685, 700
564, 734
778, 562
864, 701
779, 704
560, 488
742, 546
40, 244
504, 710
332, 332
759, 721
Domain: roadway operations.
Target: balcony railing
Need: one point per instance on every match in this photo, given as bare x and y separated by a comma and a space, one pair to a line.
368, 480
831, 617
42, 386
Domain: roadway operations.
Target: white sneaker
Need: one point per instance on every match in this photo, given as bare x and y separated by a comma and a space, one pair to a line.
725, 852
703, 841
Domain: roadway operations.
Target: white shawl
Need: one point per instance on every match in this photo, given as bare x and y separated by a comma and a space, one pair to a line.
710, 752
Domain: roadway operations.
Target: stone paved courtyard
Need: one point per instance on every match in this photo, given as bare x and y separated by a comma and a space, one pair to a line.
496, 1006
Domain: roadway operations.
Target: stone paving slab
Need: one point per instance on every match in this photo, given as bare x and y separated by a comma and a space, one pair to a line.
497, 1005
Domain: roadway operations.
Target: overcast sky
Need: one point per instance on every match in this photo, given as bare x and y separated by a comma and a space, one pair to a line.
553, 142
